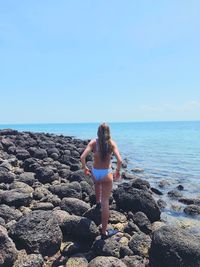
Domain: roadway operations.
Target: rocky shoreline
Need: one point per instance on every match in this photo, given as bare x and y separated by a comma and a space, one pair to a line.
48, 215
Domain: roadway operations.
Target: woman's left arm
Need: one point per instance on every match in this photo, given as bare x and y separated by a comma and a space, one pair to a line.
84, 155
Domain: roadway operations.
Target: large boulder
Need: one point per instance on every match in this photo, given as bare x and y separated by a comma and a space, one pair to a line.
79, 228
9, 213
27, 178
172, 246
45, 175
30, 260
67, 190
77, 260
6, 177
107, 247
37, 232
74, 206
132, 199
40, 153
192, 210
141, 220
135, 261
16, 198
80, 176
22, 154
94, 214
103, 261
8, 251
140, 244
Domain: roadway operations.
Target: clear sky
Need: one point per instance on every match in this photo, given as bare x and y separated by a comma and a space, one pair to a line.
91, 61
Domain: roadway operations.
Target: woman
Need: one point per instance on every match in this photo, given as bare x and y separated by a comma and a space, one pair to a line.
102, 175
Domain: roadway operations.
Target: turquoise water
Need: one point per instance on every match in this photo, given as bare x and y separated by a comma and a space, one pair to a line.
164, 150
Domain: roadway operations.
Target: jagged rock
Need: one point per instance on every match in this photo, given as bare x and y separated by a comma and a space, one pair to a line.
103, 261
67, 190
8, 251
192, 210
140, 244
141, 220
27, 178
132, 199
79, 228
20, 185
6, 177
172, 246
117, 217
74, 206
107, 247
9, 213
22, 154
94, 214
174, 194
45, 175
16, 198
77, 260
30, 260
42, 206
135, 261
37, 232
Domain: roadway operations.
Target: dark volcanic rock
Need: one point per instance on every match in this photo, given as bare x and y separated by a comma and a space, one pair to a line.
174, 194
45, 175
31, 260
134, 261
8, 251
140, 184
79, 228
8, 132
192, 210
6, 177
107, 247
74, 206
140, 244
161, 203
40, 153
94, 214
22, 154
189, 201
156, 191
37, 232
16, 197
27, 177
131, 199
174, 247
117, 217
141, 220
67, 190
80, 176
103, 261
9, 213
180, 187
42, 206
30, 165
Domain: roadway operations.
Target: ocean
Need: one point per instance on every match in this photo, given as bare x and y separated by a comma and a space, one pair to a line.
167, 151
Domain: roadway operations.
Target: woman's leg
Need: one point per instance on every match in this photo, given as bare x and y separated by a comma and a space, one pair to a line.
97, 186
105, 195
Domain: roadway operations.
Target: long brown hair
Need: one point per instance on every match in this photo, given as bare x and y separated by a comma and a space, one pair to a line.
104, 140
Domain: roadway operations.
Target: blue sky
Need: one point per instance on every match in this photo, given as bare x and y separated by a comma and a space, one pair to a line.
91, 61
